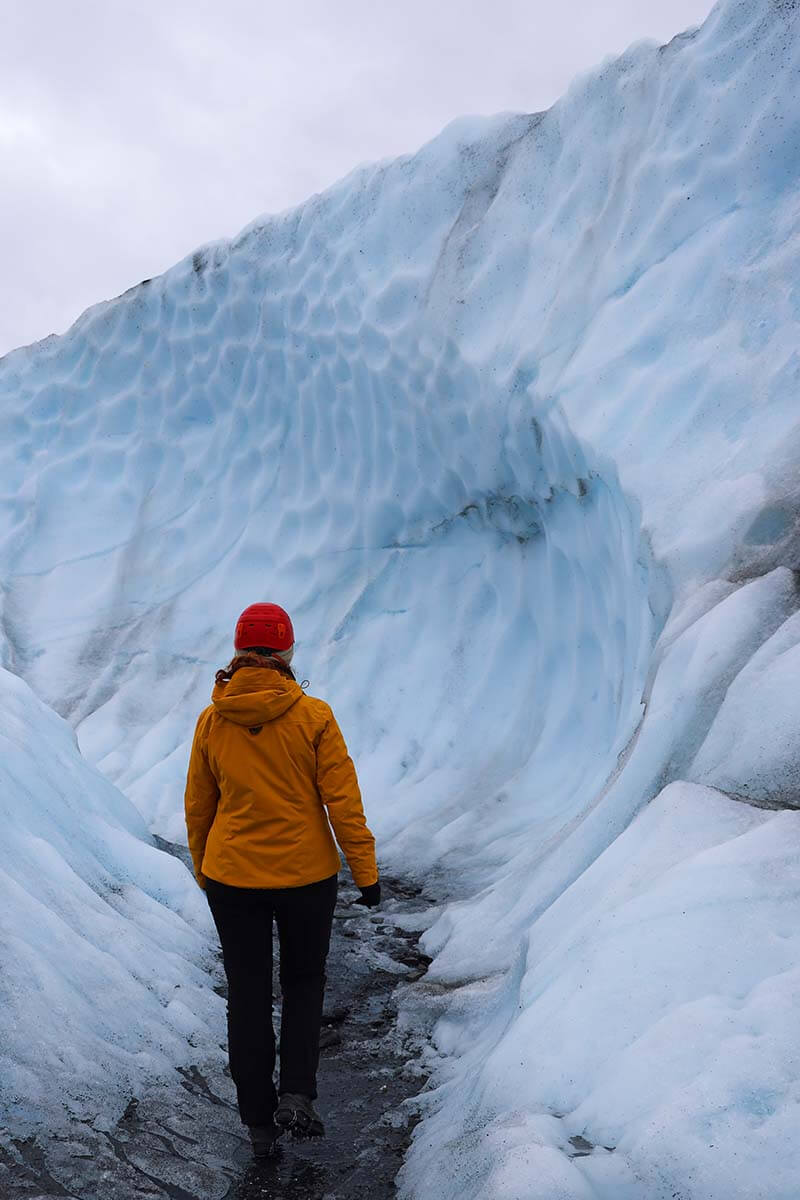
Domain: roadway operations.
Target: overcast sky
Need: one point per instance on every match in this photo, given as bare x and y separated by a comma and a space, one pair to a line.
132, 131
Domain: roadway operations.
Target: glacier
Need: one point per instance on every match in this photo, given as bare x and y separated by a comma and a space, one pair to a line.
107, 971
510, 426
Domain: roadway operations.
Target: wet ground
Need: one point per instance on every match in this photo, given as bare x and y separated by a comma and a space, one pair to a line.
186, 1142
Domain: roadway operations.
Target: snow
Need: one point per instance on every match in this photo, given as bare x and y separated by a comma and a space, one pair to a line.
510, 427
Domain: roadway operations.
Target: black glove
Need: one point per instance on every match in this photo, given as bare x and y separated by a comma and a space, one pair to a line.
370, 896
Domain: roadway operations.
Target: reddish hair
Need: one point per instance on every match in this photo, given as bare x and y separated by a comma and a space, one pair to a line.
250, 658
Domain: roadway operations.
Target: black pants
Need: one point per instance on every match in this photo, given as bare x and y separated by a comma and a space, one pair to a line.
243, 917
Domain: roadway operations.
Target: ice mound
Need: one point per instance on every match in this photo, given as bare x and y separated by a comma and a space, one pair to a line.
511, 427
105, 953
650, 1008
737, 756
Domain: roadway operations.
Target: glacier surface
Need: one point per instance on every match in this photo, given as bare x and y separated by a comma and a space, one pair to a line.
511, 427
107, 971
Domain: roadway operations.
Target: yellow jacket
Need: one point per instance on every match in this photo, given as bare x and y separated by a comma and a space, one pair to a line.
268, 769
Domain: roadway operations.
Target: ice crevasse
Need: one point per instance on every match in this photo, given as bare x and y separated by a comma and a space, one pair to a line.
511, 426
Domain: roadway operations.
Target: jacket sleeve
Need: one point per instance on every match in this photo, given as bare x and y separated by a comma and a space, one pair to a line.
339, 791
200, 798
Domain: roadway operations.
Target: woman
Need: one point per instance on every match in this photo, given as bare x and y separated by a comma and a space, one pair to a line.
268, 770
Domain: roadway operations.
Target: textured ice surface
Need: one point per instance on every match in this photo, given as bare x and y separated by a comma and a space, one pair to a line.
511, 427
654, 1006
104, 975
737, 755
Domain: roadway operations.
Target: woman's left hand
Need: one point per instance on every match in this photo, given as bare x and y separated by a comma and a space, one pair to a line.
370, 896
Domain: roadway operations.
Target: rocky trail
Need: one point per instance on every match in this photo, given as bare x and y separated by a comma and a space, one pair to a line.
186, 1142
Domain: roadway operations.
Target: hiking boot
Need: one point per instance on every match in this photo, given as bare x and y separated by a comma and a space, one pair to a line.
329, 1037
297, 1114
264, 1140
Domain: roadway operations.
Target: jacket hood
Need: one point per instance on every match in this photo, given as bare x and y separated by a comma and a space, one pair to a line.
255, 695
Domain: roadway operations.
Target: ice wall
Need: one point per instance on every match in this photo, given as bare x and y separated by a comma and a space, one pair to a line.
105, 981
290, 413
484, 418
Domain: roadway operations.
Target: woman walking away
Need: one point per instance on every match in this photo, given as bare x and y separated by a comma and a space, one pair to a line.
269, 770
